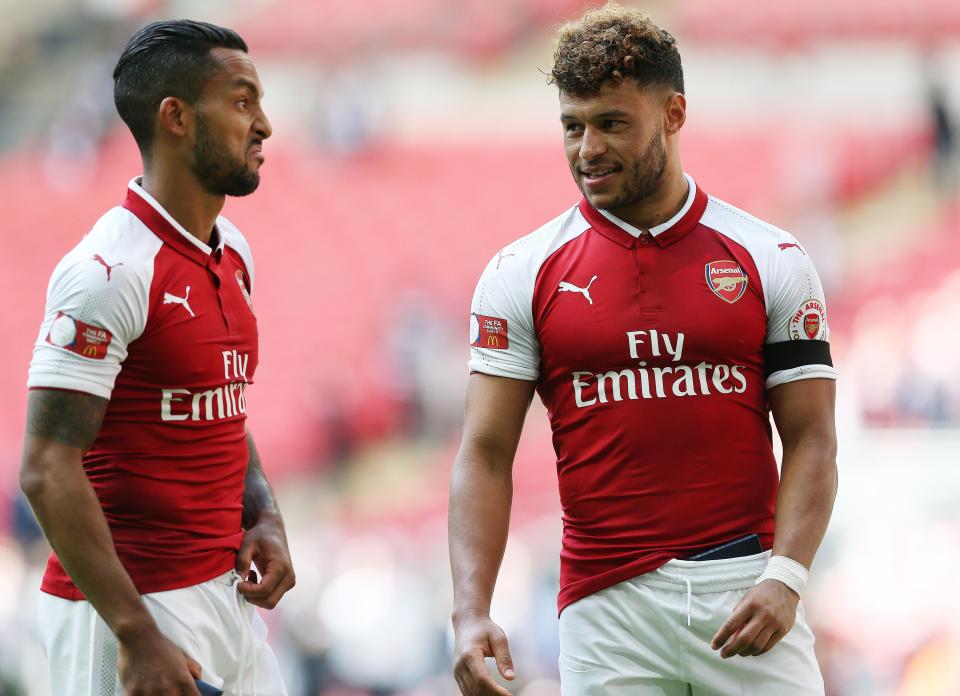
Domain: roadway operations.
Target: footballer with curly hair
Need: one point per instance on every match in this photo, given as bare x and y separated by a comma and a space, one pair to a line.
660, 327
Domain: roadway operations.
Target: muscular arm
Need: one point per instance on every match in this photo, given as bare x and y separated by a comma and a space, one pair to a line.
481, 491
265, 539
804, 414
61, 426
258, 497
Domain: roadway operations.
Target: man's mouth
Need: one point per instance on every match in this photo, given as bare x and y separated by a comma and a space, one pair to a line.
597, 175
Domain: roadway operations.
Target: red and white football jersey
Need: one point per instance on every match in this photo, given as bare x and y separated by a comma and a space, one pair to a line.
652, 353
144, 314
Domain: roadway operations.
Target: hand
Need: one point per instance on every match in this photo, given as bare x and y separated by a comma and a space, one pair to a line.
150, 665
477, 638
765, 615
266, 545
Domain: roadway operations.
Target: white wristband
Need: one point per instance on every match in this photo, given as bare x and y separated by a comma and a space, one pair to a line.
787, 571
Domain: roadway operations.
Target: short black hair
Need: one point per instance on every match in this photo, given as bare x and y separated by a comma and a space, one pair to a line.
169, 58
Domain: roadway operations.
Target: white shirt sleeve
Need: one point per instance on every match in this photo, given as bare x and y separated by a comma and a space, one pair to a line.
798, 334
90, 319
502, 338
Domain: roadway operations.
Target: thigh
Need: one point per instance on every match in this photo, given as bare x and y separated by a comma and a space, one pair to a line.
581, 679
216, 626
80, 647
789, 669
620, 641
196, 620
262, 676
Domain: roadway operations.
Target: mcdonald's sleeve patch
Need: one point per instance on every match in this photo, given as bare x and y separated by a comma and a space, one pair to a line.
488, 332
83, 339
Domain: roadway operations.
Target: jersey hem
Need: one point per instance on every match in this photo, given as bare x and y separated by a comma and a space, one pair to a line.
580, 589
67, 590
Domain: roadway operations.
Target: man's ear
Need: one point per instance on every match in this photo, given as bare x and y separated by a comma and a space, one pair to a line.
675, 113
175, 116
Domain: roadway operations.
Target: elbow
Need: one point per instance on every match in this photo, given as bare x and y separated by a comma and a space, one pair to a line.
36, 471
33, 481
48, 467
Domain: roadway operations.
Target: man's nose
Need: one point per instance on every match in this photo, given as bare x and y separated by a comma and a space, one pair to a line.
262, 126
592, 145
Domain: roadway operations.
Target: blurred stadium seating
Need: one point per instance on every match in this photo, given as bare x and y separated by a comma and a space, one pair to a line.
790, 24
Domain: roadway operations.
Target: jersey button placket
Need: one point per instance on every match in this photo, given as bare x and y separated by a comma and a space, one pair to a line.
647, 296
215, 269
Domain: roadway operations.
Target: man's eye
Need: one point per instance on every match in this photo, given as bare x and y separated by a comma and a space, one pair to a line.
611, 123
243, 103
573, 128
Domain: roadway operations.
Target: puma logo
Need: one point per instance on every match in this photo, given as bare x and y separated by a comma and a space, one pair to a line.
501, 256
173, 299
570, 287
99, 259
786, 245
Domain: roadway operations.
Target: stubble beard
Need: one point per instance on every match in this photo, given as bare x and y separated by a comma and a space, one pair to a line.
647, 175
218, 170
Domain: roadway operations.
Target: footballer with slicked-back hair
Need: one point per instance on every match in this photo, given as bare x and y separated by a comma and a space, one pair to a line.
166, 59
137, 460
661, 327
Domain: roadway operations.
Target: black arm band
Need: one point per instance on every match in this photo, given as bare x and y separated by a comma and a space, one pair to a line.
790, 354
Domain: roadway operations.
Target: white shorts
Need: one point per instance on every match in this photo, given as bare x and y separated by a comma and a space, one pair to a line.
634, 639
212, 622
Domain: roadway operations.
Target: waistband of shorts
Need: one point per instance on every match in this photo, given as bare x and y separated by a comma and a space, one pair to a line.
228, 578
720, 575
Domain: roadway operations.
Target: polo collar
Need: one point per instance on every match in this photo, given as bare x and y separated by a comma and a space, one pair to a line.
162, 224
664, 234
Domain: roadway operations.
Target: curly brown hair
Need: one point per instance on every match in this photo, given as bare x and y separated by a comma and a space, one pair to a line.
613, 43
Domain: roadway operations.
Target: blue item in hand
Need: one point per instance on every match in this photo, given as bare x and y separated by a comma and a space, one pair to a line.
207, 689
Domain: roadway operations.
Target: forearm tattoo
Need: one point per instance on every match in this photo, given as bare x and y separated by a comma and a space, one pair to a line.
257, 493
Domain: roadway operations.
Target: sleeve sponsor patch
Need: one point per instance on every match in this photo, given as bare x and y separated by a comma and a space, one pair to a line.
809, 322
83, 339
488, 332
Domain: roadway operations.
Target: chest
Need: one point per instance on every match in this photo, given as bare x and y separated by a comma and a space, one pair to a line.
599, 304
201, 328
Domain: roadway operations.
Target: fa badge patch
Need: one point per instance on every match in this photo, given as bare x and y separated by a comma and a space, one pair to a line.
488, 332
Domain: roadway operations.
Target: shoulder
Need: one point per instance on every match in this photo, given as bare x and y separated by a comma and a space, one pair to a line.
550, 237
116, 256
748, 230
522, 258
780, 259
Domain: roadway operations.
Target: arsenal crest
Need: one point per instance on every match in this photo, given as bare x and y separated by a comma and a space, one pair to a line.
809, 321
726, 280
